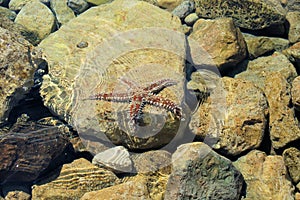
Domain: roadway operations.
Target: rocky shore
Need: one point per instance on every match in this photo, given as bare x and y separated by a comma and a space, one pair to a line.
153, 99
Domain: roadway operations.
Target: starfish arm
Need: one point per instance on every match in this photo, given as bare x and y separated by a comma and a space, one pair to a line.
166, 104
113, 97
136, 107
158, 86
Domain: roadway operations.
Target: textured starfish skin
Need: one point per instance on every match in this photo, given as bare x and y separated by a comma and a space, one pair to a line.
139, 97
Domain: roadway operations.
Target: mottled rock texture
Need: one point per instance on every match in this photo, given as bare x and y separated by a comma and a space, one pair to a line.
76, 73
296, 92
36, 17
15, 70
291, 158
266, 176
293, 19
257, 14
236, 126
221, 39
74, 180
200, 173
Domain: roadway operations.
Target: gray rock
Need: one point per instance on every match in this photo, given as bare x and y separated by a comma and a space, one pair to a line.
8, 13
62, 12
266, 176
291, 158
200, 173
78, 6
245, 13
293, 19
36, 17
184, 9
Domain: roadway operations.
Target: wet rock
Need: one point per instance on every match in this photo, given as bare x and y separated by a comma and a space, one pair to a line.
78, 6
68, 84
246, 14
191, 19
28, 148
258, 69
15, 71
293, 19
235, 122
200, 173
259, 45
62, 12
221, 39
116, 159
296, 92
283, 125
152, 162
98, 2
184, 9
291, 158
265, 176
293, 53
37, 18
74, 180
169, 4
8, 13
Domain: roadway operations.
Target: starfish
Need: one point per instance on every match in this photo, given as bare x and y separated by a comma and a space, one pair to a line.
139, 97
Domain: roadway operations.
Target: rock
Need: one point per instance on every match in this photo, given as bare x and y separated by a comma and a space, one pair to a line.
293, 19
65, 90
200, 173
184, 9
246, 14
293, 53
291, 158
258, 69
37, 18
293, 5
234, 123
15, 71
152, 162
78, 6
265, 176
297, 196
98, 2
283, 125
191, 19
74, 180
62, 12
169, 4
28, 149
221, 39
17, 195
17, 5
296, 92
259, 45
8, 13
116, 159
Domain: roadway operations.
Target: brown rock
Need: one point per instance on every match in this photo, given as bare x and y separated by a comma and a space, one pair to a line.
296, 92
294, 26
74, 180
293, 53
233, 123
291, 158
265, 176
28, 149
221, 39
283, 125
297, 196
169, 4
15, 71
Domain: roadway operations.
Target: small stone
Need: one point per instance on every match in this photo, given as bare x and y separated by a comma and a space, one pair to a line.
82, 44
36, 17
169, 4
293, 19
265, 176
221, 40
8, 13
116, 159
291, 158
293, 53
184, 9
200, 173
191, 19
62, 12
98, 2
78, 6
235, 122
74, 180
296, 92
